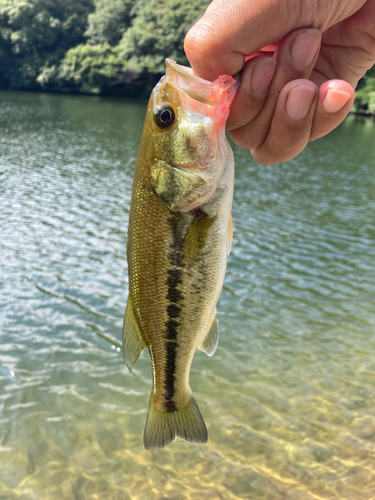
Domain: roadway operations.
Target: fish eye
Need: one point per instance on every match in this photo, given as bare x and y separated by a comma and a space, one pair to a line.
164, 116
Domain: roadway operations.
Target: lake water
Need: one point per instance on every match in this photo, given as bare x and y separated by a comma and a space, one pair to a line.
288, 397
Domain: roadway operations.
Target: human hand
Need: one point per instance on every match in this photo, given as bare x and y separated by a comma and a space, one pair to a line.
293, 91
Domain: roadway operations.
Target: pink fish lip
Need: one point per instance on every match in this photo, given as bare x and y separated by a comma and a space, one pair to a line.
219, 92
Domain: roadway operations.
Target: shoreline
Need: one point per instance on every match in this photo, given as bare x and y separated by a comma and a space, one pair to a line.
128, 97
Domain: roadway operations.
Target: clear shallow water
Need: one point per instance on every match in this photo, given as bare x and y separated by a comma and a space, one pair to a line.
289, 396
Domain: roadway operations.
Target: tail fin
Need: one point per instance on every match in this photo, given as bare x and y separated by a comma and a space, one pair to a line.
184, 421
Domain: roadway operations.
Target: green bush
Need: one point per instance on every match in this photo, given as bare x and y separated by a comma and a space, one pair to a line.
109, 21
92, 46
365, 94
35, 35
90, 68
158, 32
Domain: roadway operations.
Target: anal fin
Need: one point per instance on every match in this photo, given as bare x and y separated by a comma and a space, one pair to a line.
230, 233
211, 340
132, 341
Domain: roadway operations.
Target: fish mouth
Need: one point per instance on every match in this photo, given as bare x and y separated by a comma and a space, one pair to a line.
223, 89
200, 164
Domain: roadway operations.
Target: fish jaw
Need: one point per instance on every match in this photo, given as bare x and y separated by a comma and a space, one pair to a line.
190, 153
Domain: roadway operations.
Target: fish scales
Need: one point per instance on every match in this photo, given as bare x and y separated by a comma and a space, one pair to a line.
178, 244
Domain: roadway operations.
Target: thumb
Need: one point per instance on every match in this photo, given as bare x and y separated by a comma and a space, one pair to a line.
230, 30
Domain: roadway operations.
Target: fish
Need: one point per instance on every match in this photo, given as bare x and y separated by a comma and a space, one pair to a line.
179, 236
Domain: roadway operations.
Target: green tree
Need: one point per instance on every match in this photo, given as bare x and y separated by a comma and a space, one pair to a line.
158, 32
35, 34
134, 65
365, 94
92, 69
109, 21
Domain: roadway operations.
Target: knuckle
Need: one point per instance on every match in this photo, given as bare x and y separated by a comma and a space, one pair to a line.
268, 156
191, 40
245, 140
199, 43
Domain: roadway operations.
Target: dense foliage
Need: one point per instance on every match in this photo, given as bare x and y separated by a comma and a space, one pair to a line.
365, 94
102, 46
92, 46
34, 37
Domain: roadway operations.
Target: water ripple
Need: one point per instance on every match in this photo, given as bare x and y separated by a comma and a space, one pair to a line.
288, 396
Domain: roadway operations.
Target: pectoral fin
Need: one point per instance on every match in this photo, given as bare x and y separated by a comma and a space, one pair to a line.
196, 237
132, 341
212, 338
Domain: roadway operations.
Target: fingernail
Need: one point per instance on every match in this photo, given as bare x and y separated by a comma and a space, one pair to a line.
335, 100
299, 102
304, 48
262, 75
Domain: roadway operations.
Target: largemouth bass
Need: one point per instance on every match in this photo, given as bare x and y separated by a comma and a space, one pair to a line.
179, 237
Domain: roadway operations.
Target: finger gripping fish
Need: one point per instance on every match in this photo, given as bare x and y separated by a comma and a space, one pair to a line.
179, 237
